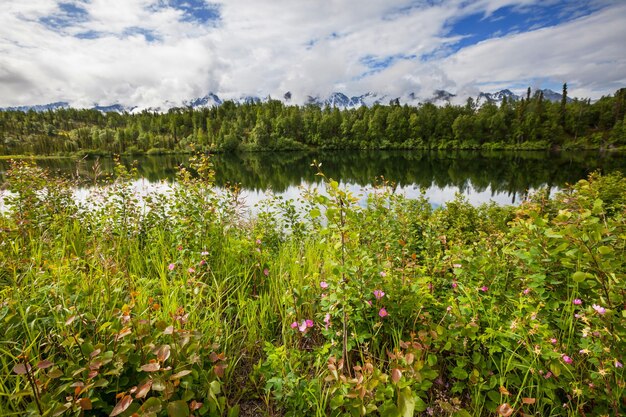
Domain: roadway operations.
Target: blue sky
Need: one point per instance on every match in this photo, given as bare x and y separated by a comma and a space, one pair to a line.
154, 53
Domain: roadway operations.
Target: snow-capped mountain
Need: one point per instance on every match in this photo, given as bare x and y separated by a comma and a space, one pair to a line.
335, 99
117, 108
496, 97
210, 100
551, 95
40, 107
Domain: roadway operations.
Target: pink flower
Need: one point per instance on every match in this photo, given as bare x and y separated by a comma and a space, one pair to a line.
577, 301
382, 312
191, 270
258, 241
379, 294
327, 320
548, 375
553, 341
179, 247
383, 274
202, 262
567, 359
454, 284
449, 309
294, 325
618, 364
204, 253
171, 267
369, 302
600, 310
526, 291
484, 288
266, 271
324, 285
305, 325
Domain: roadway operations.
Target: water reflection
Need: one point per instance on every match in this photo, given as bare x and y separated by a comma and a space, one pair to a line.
504, 177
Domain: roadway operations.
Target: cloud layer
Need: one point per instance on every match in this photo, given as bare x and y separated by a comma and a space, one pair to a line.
149, 52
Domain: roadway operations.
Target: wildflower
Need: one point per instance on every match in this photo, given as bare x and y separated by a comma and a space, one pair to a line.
382, 312
577, 301
618, 364
553, 341
449, 309
577, 315
379, 294
327, 320
567, 359
266, 271
600, 310
584, 351
484, 288
323, 285
383, 274
202, 262
309, 323
294, 325
171, 267
548, 375
302, 327
456, 265
454, 284
526, 291
180, 247
204, 253
191, 270
258, 241
369, 302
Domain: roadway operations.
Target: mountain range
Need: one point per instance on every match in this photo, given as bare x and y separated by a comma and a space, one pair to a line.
336, 99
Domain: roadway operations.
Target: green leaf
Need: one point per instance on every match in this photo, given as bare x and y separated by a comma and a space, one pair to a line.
178, 409
151, 405
406, 402
315, 213
605, 250
579, 276
336, 402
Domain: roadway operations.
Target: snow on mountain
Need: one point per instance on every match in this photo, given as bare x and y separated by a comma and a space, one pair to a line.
40, 107
496, 97
335, 99
210, 100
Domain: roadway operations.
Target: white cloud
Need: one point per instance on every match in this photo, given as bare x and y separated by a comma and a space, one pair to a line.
133, 52
589, 53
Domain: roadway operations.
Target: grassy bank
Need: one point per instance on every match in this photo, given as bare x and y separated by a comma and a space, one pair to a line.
179, 305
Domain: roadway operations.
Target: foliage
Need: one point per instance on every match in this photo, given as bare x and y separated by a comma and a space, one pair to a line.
177, 304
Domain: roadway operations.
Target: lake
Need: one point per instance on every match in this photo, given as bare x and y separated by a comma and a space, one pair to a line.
502, 177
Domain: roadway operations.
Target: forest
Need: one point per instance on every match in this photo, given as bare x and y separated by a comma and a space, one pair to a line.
530, 123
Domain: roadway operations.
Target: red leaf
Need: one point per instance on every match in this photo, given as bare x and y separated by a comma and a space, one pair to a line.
151, 367
121, 406
21, 369
163, 353
85, 403
143, 389
396, 374
44, 364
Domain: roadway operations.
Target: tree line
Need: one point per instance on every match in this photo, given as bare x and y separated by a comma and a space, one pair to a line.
529, 123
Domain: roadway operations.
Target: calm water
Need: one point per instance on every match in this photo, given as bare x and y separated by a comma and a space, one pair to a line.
503, 177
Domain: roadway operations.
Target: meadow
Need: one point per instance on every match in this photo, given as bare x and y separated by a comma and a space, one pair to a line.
180, 305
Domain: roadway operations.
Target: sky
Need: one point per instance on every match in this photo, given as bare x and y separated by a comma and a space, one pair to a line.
149, 53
